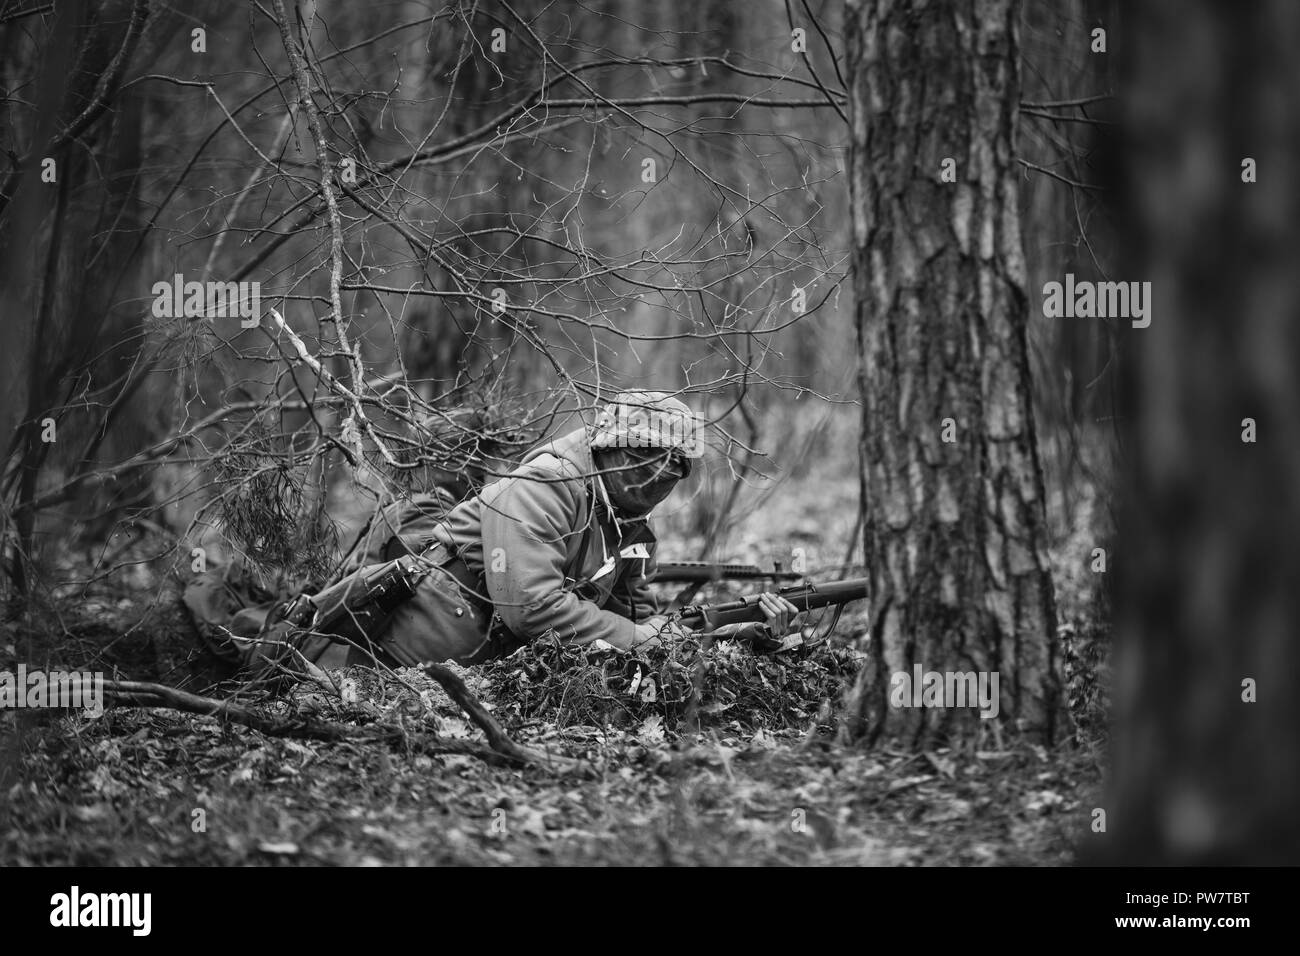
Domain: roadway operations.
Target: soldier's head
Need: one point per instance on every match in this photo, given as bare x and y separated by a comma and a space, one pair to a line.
643, 444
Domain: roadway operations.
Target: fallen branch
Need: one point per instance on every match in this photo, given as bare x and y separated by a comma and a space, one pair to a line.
144, 694
497, 737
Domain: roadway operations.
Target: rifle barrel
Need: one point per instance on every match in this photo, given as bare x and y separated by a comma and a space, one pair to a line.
693, 572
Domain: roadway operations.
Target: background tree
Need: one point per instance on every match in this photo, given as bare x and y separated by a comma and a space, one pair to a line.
1207, 564
951, 482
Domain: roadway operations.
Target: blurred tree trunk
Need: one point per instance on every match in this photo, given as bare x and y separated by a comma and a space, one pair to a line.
67, 248
28, 211
954, 515
1208, 567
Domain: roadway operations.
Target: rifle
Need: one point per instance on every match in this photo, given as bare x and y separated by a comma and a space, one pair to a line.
805, 597
701, 572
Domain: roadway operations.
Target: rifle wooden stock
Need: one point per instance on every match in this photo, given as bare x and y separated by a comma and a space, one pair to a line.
805, 597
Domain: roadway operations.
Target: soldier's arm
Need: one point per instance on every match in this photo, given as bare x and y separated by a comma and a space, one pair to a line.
531, 522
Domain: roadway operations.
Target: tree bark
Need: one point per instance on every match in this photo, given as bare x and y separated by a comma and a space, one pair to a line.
1207, 569
954, 530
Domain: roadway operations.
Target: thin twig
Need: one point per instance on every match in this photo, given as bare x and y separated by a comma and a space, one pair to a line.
1065, 179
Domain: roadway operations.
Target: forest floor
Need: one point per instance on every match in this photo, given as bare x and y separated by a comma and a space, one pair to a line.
750, 773
154, 786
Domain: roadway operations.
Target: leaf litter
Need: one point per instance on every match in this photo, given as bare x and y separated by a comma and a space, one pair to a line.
726, 761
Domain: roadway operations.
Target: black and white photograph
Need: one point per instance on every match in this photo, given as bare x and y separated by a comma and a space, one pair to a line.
769, 434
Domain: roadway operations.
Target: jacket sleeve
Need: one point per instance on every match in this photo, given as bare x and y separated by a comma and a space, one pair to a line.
527, 527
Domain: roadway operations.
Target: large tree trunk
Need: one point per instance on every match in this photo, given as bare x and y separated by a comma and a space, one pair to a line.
954, 530
1208, 589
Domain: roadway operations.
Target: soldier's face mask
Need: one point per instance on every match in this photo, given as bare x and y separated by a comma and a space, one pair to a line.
637, 479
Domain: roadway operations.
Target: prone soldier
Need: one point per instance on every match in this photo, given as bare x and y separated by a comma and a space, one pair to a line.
560, 546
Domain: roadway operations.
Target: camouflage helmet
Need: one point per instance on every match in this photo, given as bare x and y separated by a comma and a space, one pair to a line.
648, 420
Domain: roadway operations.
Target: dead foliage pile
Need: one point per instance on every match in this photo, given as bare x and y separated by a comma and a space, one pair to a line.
684, 684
